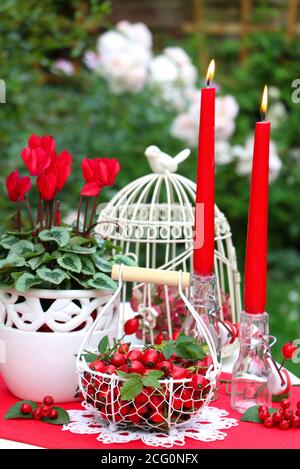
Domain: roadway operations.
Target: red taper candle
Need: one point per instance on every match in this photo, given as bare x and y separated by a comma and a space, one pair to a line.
205, 192
255, 290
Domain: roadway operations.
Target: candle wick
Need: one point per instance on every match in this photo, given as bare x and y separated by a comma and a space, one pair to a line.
263, 116
208, 83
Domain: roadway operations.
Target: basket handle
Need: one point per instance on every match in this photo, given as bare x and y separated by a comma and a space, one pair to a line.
90, 331
153, 276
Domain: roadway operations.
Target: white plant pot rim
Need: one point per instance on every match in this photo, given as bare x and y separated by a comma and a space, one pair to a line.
53, 294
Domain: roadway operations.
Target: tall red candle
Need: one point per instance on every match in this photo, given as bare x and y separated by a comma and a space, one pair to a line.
205, 192
257, 237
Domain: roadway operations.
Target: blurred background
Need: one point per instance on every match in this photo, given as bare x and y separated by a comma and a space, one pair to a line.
109, 78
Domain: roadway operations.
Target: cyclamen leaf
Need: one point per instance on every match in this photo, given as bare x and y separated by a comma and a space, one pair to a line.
8, 241
88, 267
12, 260
59, 235
122, 259
84, 250
78, 241
14, 412
102, 282
22, 247
131, 388
36, 262
61, 419
26, 281
102, 264
6, 281
70, 262
102, 346
55, 276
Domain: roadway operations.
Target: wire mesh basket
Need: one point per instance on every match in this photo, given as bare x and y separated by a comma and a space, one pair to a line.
163, 408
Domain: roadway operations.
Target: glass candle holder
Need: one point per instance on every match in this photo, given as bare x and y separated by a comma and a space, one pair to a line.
251, 373
202, 296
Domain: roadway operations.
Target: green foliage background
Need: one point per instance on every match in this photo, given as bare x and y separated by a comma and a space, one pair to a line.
89, 121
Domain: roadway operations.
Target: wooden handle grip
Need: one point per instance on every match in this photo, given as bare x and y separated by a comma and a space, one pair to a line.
155, 276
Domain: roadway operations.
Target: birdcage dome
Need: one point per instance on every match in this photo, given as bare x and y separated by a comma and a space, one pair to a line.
153, 218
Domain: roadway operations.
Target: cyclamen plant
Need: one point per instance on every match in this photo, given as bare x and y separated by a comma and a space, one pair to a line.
41, 251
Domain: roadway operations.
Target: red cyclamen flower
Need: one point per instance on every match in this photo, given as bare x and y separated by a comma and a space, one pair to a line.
37, 155
55, 177
17, 186
98, 173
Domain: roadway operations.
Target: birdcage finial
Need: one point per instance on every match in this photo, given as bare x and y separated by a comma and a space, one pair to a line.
161, 162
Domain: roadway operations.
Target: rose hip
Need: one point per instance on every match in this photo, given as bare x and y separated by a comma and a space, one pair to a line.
131, 326
136, 367
134, 354
118, 359
150, 357
26, 408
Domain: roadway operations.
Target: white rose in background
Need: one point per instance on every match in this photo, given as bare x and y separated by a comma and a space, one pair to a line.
244, 155
223, 153
123, 57
276, 114
63, 67
227, 110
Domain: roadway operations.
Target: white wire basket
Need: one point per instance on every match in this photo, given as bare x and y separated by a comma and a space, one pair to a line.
164, 408
153, 218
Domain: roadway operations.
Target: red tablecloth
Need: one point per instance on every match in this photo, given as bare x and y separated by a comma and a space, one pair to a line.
245, 435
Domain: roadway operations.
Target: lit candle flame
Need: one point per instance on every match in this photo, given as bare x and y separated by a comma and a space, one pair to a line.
210, 72
264, 101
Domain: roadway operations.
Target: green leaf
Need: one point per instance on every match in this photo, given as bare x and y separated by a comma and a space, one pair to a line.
90, 357
157, 374
11, 261
22, 248
8, 241
70, 262
12, 224
131, 388
14, 412
102, 346
169, 349
122, 259
26, 281
251, 414
61, 419
78, 241
102, 264
110, 246
124, 375
59, 235
6, 281
102, 282
280, 397
84, 250
152, 379
55, 276
191, 351
182, 339
36, 262
88, 267
37, 251
80, 281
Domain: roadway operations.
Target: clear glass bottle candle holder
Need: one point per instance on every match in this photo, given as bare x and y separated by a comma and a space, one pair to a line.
251, 372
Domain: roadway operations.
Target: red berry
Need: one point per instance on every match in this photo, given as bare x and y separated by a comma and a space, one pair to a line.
186, 397
285, 404
263, 414
142, 409
48, 400
131, 326
298, 412
109, 369
176, 334
118, 359
37, 414
150, 357
295, 421
268, 422
288, 350
143, 397
198, 382
124, 368
164, 366
134, 354
287, 414
53, 414
263, 408
179, 373
284, 425
298, 405
136, 367
157, 417
134, 418
124, 348
98, 366
45, 409
26, 408
159, 338
156, 402
277, 416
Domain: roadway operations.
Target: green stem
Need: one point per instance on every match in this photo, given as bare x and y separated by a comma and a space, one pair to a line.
29, 211
86, 213
78, 215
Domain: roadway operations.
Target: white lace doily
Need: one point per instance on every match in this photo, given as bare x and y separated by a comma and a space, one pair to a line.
206, 427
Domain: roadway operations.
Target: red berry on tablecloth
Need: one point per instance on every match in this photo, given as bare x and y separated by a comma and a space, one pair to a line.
37, 414
26, 408
268, 422
295, 422
298, 412
298, 405
263, 408
284, 424
288, 350
45, 409
287, 414
53, 414
285, 404
277, 416
131, 326
48, 400
263, 414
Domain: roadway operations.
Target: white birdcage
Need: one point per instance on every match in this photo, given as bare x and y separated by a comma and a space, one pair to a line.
153, 217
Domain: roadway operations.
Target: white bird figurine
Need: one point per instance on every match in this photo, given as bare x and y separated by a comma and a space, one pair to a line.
161, 162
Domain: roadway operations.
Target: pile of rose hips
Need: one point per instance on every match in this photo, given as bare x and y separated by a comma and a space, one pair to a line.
44, 410
284, 418
151, 405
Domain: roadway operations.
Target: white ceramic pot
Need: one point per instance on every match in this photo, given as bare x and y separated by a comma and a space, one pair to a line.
34, 364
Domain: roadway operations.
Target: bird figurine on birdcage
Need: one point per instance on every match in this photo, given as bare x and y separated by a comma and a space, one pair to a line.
153, 217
